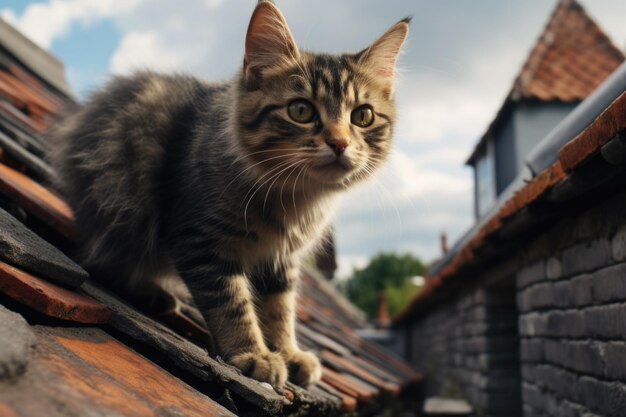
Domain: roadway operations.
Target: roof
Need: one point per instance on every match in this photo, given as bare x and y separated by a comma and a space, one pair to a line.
70, 347
594, 159
571, 58
40, 62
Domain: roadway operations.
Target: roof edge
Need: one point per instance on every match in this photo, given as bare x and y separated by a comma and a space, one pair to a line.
39, 61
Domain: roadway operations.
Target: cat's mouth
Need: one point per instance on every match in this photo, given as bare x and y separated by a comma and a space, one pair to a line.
335, 170
338, 164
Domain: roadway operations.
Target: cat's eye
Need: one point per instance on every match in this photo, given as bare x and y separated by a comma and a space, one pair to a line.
301, 111
362, 116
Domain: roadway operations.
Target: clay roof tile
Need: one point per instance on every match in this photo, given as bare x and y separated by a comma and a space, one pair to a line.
572, 43
571, 58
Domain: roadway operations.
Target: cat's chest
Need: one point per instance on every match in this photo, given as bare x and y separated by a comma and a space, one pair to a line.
285, 235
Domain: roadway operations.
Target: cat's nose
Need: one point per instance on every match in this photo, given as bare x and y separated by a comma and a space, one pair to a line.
338, 145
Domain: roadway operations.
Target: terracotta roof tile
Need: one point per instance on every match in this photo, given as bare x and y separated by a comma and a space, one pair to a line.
571, 58
38, 200
349, 387
12, 112
350, 367
50, 299
187, 356
348, 402
606, 126
377, 371
323, 294
87, 372
28, 94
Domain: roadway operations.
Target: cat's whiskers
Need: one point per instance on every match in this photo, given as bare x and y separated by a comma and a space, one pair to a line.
270, 172
304, 166
254, 165
276, 177
285, 182
245, 156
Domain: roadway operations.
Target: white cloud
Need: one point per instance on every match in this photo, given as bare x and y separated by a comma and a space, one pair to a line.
432, 120
200, 38
10, 16
212, 3
405, 176
460, 101
45, 22
139, 50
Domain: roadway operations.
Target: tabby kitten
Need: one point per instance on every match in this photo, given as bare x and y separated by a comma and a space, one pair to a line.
229, 185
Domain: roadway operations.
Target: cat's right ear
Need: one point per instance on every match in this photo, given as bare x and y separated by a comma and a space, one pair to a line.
268, 42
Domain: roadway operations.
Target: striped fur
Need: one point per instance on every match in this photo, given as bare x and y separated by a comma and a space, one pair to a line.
172, 176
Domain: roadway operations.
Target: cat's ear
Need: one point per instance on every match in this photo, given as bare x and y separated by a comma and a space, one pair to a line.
380, 58
268, 42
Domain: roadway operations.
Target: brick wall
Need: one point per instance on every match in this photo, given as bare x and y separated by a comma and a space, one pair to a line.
547, 324
469, 349
572, 304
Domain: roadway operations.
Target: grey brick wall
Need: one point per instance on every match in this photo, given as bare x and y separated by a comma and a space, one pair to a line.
572, 323
469, 349
547, 338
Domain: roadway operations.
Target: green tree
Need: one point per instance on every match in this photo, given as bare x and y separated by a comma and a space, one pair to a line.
390, 273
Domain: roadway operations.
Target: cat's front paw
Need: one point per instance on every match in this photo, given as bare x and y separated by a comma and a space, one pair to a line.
304, 368
264, 366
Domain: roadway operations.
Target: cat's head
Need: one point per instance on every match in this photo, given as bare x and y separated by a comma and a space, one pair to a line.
305, 117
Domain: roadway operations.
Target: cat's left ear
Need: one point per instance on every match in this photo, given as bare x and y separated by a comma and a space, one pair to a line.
380, 58
268, 42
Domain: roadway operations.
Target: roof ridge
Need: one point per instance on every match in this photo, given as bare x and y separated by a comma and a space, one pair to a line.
535, 56
548, 39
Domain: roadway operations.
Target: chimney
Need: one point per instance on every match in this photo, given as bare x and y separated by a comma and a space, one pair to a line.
382, 320
444, 243
325, 257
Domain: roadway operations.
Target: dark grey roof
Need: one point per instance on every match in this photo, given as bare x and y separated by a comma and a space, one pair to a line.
545, 153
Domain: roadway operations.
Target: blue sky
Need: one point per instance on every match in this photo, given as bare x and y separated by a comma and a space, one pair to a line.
457, 67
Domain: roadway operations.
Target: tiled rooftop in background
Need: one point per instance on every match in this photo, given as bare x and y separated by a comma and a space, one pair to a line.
571, 58
604, 138
79, 338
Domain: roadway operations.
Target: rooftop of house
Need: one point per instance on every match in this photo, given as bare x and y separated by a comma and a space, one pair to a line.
40, 63
571, 58
581, 158
591, 164
70, 347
